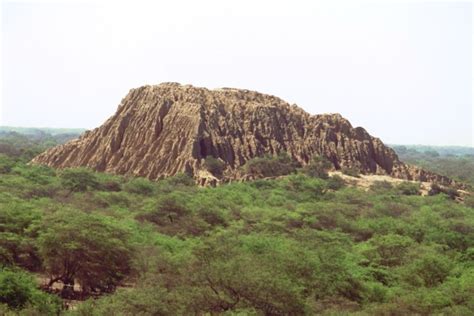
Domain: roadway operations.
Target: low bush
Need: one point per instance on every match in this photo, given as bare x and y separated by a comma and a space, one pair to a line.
214, 166
335, 183
78, 180
111, 186
18, 291
181, 179
139, 186
271, 166
40, 191
351, 171
437, 189
318, 167
6, 164
381, 186
409, 188
169, 209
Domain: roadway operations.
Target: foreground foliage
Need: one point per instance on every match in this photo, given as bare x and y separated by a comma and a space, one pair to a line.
19, 292
294, 245
304, 243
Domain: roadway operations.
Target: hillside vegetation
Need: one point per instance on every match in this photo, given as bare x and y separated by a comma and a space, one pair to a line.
304, 243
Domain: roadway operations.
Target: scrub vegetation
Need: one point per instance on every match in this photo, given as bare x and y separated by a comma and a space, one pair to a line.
303, 243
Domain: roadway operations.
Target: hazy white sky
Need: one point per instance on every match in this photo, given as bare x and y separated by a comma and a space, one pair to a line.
401, 70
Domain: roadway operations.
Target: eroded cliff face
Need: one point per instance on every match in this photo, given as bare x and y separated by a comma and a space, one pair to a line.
162, 130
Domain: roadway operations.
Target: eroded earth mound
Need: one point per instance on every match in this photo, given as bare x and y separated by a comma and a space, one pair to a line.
162, 130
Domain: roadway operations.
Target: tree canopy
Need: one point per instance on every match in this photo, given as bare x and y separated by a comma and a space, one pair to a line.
89, 248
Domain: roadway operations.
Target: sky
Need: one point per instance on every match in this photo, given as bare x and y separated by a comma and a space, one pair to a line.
400, 69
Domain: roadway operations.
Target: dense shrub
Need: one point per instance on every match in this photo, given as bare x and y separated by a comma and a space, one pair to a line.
181, 179
111, 186
213, 216
214, 166
6, 164
381, 186
233, 272
18, 290
469, 201
16, 245
304, 188
351, 171
41, 191
437, 189
169, 209
173, 207
139, 186
429, 270
335, 182
78, 180
107, 199
40, 175
15, 288
318, 167
388, 250
409, 188
271, 166
149, 300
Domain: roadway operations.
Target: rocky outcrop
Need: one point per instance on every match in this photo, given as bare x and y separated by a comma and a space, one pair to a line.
162, 130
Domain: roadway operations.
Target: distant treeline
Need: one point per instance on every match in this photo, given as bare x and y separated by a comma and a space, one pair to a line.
25, 143
452, 161
41, 130
434, 151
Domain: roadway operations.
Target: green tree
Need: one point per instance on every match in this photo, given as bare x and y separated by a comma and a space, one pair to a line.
78, 180
257, 271
88, 248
